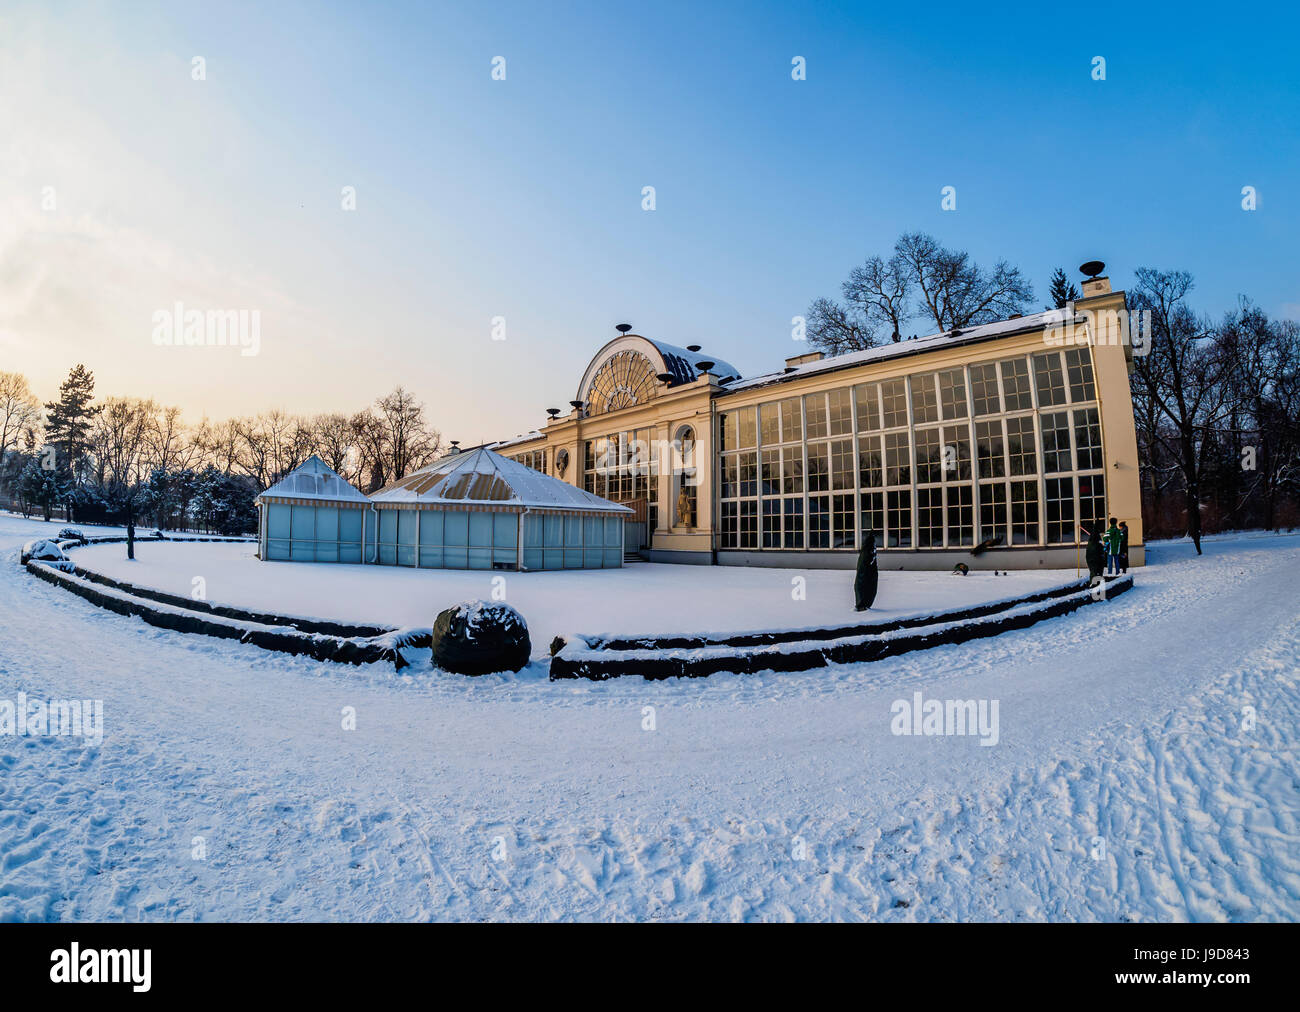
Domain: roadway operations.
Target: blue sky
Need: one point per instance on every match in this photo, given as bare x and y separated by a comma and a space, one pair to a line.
522, 198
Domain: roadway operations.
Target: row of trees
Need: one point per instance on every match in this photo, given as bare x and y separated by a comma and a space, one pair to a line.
1217, 406
128, 459
920, 279
1216, 400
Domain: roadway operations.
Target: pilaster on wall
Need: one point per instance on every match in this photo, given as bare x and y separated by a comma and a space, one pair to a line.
1109, 332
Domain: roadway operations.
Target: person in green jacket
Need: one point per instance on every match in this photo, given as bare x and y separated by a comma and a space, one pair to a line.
1113, 539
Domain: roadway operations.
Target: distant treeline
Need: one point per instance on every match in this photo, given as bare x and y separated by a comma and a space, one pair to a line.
124, 459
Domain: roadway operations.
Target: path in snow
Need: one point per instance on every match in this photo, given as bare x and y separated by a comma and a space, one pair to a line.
1121, 727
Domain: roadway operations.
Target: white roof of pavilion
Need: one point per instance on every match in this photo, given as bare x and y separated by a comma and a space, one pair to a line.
483, 477
314, 479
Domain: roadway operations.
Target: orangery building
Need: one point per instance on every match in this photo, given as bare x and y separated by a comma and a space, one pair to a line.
990, 445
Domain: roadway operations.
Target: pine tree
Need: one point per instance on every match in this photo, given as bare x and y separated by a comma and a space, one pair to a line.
67, 424
1062, 289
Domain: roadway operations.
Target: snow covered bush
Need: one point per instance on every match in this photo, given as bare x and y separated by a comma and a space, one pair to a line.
478, 637
71, 534
44, 550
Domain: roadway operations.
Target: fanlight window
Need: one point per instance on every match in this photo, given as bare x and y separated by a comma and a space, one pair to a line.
626, 378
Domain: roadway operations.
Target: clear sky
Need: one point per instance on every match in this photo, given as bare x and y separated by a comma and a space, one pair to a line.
522, 198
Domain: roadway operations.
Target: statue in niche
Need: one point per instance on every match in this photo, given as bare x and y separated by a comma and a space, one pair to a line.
685, 507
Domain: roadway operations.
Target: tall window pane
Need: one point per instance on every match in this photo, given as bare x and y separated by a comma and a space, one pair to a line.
925, 399
1049, 379
1078, 369
867, 400
952, 393
893, 403
1015, 384
984, 389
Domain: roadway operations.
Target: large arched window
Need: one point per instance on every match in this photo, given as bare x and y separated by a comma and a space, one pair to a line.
626, 378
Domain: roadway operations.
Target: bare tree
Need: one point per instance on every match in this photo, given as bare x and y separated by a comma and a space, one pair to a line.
956, 292
882, 288
120, 441
837, 329
1184, 378
876, 298
334, 440
20, 411
1263, 358
409, 442
920, 278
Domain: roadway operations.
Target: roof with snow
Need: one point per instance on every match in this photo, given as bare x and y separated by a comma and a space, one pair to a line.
914, 346
681, 363
523, 437
313, 479
482, 476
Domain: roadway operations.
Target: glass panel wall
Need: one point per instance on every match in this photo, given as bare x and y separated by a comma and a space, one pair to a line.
591, 541
1007, 451
449, 539
325, 533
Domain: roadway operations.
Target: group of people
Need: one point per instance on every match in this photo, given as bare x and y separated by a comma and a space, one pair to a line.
1107, 551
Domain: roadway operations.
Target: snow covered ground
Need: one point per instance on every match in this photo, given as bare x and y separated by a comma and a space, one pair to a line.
1147, 768
641, 598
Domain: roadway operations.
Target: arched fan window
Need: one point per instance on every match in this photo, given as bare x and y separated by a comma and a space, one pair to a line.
625, 379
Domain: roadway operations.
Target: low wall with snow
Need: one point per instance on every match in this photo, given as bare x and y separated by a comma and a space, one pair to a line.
802, 650
276, 635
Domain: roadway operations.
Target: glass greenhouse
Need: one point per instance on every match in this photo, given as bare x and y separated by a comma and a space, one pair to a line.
480, 510
470, 510
313, 515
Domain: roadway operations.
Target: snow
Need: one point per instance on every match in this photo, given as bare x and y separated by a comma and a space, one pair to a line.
1146, 769
43, 550
476, 615
641, 598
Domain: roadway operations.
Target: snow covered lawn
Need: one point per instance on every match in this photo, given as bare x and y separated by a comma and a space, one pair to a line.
1147, 768
641, 598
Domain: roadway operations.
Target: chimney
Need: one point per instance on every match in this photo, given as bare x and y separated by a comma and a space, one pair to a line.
798, 360
1094, 283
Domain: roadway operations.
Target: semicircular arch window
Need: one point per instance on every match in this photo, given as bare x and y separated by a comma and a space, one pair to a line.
625, 379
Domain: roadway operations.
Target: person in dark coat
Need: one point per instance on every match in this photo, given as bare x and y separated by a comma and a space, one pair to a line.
1123, 546
868, 579
1095, 554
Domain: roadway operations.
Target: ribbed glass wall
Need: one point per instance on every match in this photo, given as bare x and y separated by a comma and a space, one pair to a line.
572, 541
1007, 449
314, 533
480, 539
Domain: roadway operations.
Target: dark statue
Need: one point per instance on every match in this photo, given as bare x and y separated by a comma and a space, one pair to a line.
864, 587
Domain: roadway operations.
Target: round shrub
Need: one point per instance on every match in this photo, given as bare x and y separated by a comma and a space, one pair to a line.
480, 637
